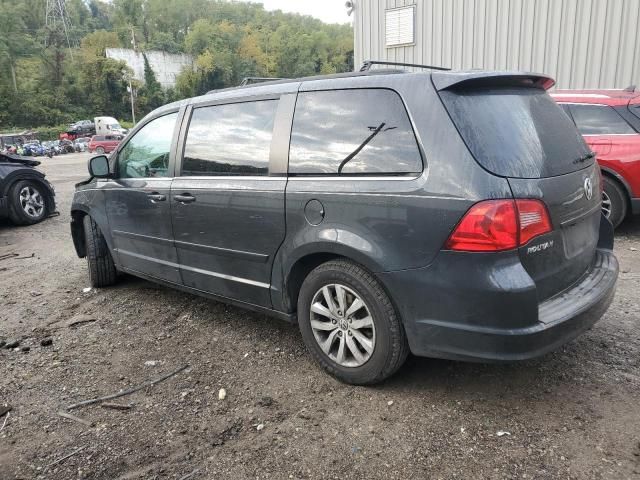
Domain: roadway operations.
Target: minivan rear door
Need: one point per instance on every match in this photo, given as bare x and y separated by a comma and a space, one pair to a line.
228, 202
514, 129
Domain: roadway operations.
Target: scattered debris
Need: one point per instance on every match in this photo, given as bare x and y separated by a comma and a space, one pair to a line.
68, 416
46, 342
502, 433
189, 475
80, 319
117, 406
150, 363
222, 394
12, 344
86, 290
260, 426
2, 343
390, 402
35, 294
5, 409
129, 391
265, 402
63, 458
25, 349
4, 424
6, 256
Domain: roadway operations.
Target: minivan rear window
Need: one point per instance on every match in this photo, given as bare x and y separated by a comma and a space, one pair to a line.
517, 131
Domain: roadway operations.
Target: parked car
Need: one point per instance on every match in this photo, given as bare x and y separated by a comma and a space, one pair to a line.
450, 214
26, 197
104, 143
81, 144
81, 128
33, 149
609, 120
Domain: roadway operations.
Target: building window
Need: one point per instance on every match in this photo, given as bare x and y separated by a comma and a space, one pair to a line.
400, 26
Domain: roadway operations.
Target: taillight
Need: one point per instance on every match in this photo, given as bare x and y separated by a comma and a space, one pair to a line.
497, 225
533, 219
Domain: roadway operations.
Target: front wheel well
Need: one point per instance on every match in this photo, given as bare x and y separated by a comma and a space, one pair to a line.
77, 232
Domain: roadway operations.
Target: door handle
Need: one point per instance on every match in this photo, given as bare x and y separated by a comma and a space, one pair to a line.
184, 198
156, 197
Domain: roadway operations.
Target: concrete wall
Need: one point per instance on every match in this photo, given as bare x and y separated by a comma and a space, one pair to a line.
581, 43
166, 66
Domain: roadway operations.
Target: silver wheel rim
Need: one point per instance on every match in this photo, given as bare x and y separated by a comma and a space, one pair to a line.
31, 202
342, 325
606, 204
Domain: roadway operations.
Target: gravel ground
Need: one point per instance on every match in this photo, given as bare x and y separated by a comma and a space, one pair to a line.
571, 414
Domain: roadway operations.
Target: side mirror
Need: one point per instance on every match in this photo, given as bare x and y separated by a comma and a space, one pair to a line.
99, 166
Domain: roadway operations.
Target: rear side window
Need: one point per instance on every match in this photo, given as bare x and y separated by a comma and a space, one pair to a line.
232, 139
98, 139
599, 120
517, 132
349, 132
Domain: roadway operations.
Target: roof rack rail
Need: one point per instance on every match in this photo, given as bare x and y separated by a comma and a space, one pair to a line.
251, 80
367, 64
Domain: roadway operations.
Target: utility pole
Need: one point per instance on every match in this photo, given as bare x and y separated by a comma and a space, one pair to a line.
128, 77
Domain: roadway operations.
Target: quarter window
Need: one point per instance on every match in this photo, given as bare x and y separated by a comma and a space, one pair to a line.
146, 154
231, 139
350, 132
599, 120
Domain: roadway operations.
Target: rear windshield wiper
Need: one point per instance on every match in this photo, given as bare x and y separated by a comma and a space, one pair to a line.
583, 159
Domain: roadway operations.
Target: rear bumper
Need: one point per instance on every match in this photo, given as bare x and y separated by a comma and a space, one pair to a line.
493, 335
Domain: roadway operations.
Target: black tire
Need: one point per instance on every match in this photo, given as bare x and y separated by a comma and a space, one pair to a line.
617, 201
27, 214
100, 151
390, 349
102, 271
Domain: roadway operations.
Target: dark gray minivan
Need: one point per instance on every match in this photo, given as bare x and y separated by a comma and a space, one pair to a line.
447, 214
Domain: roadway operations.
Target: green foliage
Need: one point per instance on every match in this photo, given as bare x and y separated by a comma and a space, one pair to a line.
229, 40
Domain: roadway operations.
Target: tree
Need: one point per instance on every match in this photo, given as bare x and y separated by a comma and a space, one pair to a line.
15, 40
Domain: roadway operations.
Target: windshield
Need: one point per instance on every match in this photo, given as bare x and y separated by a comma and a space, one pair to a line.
517, 132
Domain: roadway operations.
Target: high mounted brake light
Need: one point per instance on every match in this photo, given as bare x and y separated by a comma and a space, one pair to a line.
498, 225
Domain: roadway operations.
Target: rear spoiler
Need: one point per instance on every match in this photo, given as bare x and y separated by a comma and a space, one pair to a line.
461, 80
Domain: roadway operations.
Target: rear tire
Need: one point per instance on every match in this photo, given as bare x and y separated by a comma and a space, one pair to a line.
102, 271
100, 151
614, 201
28, 203
382, 347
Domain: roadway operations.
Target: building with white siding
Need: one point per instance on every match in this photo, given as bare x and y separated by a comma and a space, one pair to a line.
580, 43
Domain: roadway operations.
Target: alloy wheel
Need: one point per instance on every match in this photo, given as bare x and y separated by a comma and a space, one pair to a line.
606, 205
342, 325
31, 201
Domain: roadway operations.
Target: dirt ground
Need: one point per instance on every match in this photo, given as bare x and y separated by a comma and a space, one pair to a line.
572, 414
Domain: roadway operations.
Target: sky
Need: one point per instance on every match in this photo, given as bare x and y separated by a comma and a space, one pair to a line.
329, 11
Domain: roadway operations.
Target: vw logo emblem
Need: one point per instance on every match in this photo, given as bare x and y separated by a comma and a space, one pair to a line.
588, 188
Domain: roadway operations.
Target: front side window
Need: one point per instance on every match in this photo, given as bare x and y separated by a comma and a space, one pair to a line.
350, 132
599, 120
231, 139
146, 154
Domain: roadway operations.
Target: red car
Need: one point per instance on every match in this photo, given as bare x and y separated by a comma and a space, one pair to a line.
104, 143
609, 121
